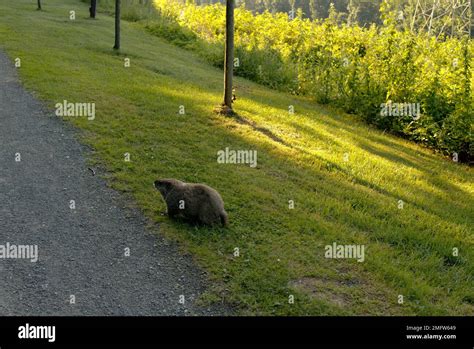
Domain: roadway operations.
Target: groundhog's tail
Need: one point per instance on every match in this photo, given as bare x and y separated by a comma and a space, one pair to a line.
224, 219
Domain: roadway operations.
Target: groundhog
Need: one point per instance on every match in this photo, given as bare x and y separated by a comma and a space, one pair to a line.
197, 203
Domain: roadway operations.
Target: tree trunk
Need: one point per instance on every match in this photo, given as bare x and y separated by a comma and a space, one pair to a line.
117, 25
229, 53
39, 5
93, 8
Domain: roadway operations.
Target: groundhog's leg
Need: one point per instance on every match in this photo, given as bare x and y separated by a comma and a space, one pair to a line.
172, 212
224, 219
208, 215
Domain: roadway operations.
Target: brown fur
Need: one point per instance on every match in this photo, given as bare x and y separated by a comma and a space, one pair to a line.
202, 204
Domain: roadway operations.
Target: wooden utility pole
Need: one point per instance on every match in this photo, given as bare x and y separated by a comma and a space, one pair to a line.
117, 25
229, 55
93, 8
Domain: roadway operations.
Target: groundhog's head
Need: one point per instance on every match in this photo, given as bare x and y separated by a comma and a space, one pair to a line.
166, 185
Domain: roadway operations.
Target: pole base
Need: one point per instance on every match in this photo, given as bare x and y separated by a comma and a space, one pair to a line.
224, 110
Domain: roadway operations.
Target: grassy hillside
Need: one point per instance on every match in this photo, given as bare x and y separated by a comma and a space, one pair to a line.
345, 178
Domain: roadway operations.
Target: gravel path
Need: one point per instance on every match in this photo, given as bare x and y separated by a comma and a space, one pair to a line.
81, 251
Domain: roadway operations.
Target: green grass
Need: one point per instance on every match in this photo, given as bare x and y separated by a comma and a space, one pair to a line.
408, 251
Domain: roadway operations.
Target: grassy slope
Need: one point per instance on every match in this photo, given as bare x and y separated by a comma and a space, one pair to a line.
408, 251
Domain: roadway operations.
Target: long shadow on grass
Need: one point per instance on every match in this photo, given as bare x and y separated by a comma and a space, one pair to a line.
427, 201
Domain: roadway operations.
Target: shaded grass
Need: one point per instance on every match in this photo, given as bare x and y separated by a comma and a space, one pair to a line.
300, 158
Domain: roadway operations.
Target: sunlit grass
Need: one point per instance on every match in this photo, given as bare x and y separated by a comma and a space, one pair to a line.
408, 251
